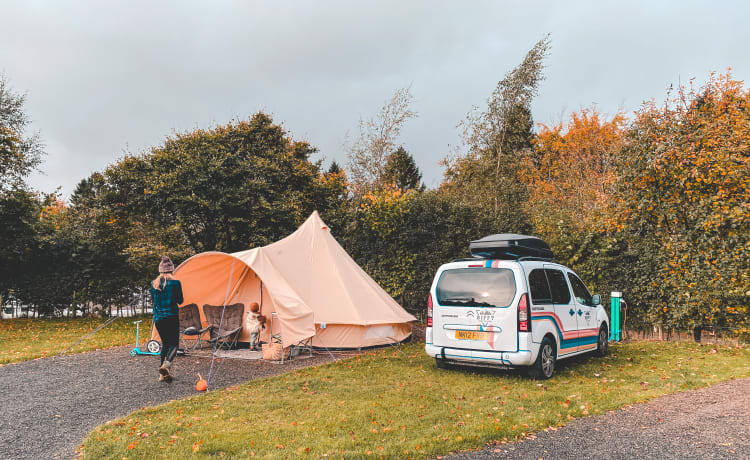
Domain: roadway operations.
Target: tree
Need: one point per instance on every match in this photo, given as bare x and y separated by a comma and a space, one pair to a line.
401, 171
571, 177
497, 138
20, 153
19, 214
683, 200
228, 188
401, 237
377, 138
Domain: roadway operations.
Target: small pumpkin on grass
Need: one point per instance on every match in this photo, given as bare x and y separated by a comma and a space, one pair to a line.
202, 385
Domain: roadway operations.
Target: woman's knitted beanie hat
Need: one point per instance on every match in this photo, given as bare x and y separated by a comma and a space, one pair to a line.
166, 265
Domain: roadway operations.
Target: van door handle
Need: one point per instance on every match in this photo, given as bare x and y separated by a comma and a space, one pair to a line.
580, 312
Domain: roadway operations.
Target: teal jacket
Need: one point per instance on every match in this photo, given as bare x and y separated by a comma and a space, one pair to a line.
167, 300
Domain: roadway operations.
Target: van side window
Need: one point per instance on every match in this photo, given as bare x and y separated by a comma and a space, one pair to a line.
539, 288
579, 290
558, 286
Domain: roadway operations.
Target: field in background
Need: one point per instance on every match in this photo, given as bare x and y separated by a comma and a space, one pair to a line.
23, 339
394, 403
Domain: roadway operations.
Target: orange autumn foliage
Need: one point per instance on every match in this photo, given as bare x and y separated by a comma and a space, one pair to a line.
571, 176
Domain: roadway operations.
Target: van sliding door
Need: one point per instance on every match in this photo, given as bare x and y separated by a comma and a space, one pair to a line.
566, 316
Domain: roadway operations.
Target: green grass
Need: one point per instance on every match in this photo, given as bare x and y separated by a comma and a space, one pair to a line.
392, 404
23, 339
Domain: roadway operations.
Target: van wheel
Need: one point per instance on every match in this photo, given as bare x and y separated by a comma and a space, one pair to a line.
544, 366
442, 364
602, 343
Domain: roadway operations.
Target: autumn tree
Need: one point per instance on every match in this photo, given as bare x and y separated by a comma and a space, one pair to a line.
401, 171
497, 138
377, 139
684, 197
571, 179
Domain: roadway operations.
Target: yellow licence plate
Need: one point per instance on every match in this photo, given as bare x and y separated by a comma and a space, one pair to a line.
472, 335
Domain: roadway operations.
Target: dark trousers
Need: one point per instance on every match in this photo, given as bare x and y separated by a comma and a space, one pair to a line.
169, 331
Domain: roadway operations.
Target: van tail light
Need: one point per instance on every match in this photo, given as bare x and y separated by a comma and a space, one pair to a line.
429, 310
524, 321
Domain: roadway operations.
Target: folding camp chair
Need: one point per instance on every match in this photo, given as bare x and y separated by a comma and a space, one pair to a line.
190, 325
224, 333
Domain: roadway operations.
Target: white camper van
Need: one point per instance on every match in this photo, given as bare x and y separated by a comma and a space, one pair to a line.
511, 305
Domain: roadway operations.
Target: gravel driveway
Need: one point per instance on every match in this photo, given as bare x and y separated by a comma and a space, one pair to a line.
49, 405
712, 422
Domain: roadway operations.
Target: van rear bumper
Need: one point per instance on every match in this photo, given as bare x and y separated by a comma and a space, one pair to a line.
483, 358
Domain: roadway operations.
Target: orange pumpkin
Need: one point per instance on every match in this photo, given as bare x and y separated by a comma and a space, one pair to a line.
202, 385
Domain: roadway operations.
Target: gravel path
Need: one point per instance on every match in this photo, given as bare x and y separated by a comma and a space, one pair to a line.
49, 405
712, 422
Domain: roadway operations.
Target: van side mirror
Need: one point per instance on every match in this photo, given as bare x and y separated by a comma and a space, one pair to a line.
596, 299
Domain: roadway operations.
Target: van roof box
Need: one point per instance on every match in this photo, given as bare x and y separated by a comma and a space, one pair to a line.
510, 246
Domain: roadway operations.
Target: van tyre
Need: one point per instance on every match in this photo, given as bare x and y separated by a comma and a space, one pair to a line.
602, 342
544, 366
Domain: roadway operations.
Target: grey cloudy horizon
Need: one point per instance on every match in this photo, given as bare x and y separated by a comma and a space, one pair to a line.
106, 78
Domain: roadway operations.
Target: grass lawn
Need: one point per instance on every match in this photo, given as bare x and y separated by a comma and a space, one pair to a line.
24, 339
397, 404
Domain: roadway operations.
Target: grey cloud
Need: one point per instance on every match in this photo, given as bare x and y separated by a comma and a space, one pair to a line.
105, 77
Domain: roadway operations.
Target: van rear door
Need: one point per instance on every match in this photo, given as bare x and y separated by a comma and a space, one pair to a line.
474, 308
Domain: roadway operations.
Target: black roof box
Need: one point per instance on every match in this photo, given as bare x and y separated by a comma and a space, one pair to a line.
510, 246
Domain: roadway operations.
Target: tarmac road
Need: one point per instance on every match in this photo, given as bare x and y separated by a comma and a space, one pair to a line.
709, 423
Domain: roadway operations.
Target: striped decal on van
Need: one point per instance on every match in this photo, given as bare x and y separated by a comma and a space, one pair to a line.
569, 341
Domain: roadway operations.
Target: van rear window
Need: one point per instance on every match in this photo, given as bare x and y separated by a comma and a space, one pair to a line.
470, 287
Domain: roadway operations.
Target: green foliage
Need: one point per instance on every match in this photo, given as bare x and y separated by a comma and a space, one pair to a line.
401, 238
684, 197
19, 214
377, 138
498, 138
228, 189
402, 172
20, 152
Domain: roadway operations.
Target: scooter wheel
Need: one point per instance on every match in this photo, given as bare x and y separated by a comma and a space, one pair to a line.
153, 346
132, 353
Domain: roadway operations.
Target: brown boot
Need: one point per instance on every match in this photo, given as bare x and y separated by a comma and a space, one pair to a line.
166, 371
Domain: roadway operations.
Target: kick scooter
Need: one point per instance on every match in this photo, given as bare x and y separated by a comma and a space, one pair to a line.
153, 347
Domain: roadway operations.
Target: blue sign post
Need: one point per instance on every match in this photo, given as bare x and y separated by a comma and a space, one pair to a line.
615, 334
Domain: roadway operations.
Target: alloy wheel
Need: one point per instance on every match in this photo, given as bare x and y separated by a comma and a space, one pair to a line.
548, 361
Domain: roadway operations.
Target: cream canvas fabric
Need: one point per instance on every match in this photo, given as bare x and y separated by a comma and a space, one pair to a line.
311, 284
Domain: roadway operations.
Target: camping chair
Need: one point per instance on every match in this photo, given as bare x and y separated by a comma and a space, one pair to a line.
190, 325
231, 326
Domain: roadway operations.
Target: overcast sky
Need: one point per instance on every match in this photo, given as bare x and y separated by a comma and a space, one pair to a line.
105, 78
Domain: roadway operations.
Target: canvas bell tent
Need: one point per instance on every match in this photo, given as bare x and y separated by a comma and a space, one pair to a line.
310, 285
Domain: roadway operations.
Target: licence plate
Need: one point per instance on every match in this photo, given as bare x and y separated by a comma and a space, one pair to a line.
472, 335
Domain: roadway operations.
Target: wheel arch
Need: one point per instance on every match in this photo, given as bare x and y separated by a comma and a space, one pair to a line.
552, 337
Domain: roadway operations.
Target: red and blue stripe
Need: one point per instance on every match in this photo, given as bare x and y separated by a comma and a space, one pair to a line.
569, 341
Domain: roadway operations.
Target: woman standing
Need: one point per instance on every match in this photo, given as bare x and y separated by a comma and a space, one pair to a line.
167, 295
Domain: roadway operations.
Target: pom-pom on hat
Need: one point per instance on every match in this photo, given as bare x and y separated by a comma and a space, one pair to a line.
166, 265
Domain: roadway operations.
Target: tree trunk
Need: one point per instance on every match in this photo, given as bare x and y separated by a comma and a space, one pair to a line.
697, 332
